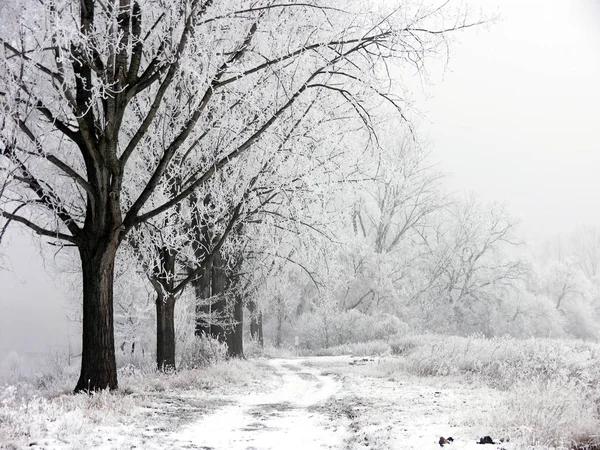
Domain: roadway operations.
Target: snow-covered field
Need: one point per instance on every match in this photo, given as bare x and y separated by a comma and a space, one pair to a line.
331, 402
299, 408
409, 412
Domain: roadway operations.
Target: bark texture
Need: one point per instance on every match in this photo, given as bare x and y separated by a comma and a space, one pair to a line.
235, 334
163, 281
256, 331
165, 332
98, 364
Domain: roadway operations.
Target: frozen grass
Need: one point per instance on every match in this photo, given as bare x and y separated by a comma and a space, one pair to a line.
552, 387
547, 392
25, 419
41, 409
234, 373
502, 361
558, 413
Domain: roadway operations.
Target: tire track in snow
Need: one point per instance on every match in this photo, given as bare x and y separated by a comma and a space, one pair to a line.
281, 419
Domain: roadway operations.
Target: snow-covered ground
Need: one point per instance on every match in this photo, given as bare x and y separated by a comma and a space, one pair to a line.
283, 418
302, 403
409, 412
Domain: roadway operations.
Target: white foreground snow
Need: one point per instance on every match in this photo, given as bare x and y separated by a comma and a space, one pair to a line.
281, 419
309, 404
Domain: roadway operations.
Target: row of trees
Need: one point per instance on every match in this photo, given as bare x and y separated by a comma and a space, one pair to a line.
168, 133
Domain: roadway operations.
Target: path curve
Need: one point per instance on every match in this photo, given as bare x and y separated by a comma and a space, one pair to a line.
282, 419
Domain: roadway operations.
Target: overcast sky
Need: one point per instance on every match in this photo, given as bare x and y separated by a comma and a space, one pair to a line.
515, 119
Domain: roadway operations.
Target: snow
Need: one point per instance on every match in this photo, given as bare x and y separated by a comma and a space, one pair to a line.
411, 412
308, 403
276, 420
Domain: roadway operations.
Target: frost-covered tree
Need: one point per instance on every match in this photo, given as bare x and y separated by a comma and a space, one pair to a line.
567, 279
472, 269
387, 219
100, 100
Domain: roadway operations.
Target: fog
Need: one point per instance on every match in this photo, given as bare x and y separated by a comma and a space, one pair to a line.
34, 304
513, 118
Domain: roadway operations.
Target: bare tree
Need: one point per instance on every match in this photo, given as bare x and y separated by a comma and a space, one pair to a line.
387, 222
470, 269
87, 89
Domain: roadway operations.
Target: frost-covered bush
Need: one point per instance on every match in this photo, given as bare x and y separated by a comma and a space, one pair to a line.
202, 351
65, 417
552, 386
51, 374
556, 413
501, 361
12, 367
328, 327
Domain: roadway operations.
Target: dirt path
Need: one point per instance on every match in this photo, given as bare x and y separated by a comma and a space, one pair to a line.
284, 418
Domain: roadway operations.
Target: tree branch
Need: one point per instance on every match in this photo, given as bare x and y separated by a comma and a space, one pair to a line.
36, 228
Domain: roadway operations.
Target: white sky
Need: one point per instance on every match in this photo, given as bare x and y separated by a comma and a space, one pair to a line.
515, 119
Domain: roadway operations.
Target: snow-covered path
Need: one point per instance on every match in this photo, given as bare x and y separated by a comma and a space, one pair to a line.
313, 403
283, 418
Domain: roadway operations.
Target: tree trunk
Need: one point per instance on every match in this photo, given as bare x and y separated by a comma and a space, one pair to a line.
253, 320
261, 339
163, 281
281, 317
279, 328
165, 332
219, 313
235, 336
256, 332
209, 317
98, 364
202, 291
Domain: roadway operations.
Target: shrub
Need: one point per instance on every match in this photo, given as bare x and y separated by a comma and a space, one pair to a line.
202, 351
12, 367
552, 395
556, 413
327, 327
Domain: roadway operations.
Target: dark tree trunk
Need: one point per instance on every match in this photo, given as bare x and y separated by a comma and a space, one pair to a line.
165, 332
280, 319
253, 320
209, 317
256, 332
254, 328
278, 335
261, 339
163, 276
98, 364
215, 319
235, 336
203, 284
